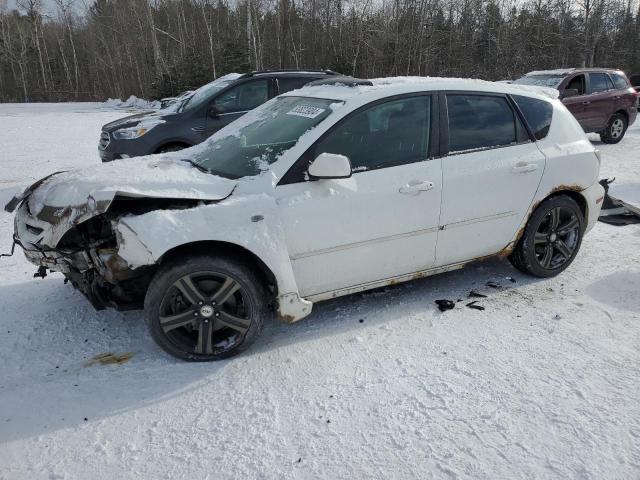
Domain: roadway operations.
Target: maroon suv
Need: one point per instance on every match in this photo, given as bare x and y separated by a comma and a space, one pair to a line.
601, 99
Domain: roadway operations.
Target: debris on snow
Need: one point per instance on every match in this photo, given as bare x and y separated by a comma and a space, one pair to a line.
109, 358
474, 306
444, 305
474, 294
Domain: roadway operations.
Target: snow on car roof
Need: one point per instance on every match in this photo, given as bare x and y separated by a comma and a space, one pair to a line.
557, 71
384, 87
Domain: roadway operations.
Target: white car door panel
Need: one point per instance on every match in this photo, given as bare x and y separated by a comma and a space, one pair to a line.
486, 193
346, 232
485, 197
380, 223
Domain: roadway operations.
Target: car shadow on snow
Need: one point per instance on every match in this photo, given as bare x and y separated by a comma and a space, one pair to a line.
386, 305
619, 290
49, 332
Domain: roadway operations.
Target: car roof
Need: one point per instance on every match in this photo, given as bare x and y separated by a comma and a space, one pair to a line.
288, 72
568, 71
386, 87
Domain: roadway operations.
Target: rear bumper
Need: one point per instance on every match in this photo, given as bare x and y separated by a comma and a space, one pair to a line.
594, 195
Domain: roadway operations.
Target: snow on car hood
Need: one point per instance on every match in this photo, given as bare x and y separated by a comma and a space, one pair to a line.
154, 177
145, 119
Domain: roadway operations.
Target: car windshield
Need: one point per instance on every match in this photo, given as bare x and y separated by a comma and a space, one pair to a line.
253, 142
203, 94
548, 80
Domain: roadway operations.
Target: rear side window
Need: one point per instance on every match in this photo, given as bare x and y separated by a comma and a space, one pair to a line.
286, 84
600, 82
537, 113
481, 121
619, 81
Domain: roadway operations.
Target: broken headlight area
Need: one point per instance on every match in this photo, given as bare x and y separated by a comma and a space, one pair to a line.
87, 252
88, 257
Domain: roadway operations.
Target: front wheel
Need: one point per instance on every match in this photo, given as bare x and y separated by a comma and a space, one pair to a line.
615, 129
205, 307
551, 238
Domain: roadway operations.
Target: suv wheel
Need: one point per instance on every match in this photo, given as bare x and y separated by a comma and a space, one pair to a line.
615, 130
205, 307
551, 238
171, 148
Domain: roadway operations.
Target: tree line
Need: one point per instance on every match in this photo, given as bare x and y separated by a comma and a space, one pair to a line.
155, 48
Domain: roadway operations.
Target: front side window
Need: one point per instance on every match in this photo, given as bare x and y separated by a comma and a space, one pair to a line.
480, 121
599, 82
204, 94
537, 113
253, 142
577, 83
385, 135
619, 81
244, 97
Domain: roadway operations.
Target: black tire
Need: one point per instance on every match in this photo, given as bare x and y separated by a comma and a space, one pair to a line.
551, 239
216, 330
615, 130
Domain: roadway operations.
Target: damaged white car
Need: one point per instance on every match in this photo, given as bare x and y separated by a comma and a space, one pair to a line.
320, 192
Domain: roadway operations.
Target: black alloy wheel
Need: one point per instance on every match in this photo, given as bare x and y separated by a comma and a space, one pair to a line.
205, 308
551, 239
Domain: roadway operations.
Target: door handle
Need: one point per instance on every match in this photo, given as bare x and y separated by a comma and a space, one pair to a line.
586, 102
522, 167
416, 187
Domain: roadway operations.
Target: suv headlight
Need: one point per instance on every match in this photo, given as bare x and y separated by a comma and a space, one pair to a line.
131, 132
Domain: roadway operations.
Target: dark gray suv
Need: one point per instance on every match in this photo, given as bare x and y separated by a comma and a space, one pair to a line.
200, 114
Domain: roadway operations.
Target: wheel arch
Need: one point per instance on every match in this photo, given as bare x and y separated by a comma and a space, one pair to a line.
569, 191
624, 113
232, 250
171, 143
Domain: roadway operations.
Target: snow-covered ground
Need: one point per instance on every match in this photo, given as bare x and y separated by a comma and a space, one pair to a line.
544, 383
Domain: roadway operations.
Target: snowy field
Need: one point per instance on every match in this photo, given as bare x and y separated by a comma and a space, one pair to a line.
542, 384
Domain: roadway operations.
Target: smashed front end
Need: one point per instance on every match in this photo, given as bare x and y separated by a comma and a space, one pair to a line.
85, 252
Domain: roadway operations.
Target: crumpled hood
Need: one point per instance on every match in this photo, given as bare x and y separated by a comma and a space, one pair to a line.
153, 177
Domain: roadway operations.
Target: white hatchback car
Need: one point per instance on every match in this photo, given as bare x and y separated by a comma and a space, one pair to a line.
318, 193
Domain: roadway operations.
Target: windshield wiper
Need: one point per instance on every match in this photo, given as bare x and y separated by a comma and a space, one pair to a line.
196, 164
204, 169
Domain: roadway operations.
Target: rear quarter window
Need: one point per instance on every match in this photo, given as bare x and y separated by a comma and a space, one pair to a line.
619, 81
537, 113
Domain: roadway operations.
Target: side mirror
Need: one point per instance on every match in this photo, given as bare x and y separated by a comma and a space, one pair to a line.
570, 92
214, 111
330, 165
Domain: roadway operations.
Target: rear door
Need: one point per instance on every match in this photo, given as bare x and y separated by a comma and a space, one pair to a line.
489, 176
601, 100
235, 102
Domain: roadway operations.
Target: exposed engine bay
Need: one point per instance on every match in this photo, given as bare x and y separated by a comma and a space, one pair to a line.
87, 253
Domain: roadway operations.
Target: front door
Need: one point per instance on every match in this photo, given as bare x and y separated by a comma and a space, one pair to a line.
576, 104
235, 102
380, 223
489, 177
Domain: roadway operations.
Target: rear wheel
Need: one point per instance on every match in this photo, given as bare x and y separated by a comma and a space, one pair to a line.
551, 238
205, 308
615, 130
